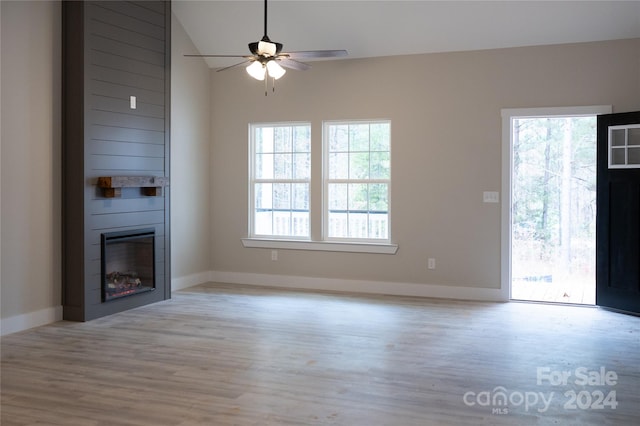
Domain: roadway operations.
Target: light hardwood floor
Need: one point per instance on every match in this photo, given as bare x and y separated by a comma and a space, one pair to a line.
232, 355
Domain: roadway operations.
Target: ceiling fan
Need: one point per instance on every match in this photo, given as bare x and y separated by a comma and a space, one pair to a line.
268, 59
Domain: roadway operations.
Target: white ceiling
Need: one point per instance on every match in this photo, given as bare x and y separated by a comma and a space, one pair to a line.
394, 27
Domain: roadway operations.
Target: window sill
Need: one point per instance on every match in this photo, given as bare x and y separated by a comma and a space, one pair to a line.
321, 246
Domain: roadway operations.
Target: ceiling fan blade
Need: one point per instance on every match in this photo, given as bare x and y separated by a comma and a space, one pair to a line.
233, 66
293, 64
315, 54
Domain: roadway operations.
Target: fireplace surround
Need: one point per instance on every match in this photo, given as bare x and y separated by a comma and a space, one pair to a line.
115, 156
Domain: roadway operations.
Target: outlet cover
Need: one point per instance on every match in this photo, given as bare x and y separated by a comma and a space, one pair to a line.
491, 197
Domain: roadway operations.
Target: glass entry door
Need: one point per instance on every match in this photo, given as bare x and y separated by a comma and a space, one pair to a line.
553, 208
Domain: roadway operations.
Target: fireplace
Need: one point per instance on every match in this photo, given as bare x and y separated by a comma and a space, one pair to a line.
115, 156
128, 263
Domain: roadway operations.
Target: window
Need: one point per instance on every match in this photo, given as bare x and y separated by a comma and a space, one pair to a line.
624, 146
353, 195
357, 173
280, 172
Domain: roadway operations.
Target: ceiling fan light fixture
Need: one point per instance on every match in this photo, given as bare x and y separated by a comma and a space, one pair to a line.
256, 70
266, 58
275, 70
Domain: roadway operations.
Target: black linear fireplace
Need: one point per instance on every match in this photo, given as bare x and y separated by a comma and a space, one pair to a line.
128, 263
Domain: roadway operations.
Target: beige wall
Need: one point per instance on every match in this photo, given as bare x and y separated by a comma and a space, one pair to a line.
446, 148
31, 198
190, 148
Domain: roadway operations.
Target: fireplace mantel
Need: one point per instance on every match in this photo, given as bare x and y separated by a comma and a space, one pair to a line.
151, 186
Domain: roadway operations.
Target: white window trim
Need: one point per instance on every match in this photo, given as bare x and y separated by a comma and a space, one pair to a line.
351, 247
252, 180
625, 148
293, 243
325, 184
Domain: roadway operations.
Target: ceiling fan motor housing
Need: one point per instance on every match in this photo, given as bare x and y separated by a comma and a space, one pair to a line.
265, 47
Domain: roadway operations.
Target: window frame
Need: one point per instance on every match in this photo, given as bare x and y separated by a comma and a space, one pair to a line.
376, 246
326, 180
253, 180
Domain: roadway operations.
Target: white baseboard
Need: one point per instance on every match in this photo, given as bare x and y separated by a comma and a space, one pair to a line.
190, 280
32, 319
49, 315
360, 286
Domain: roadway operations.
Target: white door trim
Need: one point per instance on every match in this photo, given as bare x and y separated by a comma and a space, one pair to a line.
508, 115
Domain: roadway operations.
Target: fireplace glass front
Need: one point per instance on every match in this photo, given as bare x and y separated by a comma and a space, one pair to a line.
128, 263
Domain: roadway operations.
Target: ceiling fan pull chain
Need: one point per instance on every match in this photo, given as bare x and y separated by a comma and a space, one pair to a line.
266, 84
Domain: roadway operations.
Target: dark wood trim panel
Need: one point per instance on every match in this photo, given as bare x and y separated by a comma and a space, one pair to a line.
73, 160
167, 143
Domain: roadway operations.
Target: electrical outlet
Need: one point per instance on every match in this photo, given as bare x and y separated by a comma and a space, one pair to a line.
431, 263
491, 197
274, 254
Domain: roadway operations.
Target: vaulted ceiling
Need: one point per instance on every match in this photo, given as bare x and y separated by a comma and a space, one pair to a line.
387, 28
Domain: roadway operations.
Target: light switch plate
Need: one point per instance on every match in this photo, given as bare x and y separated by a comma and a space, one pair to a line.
491, 197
